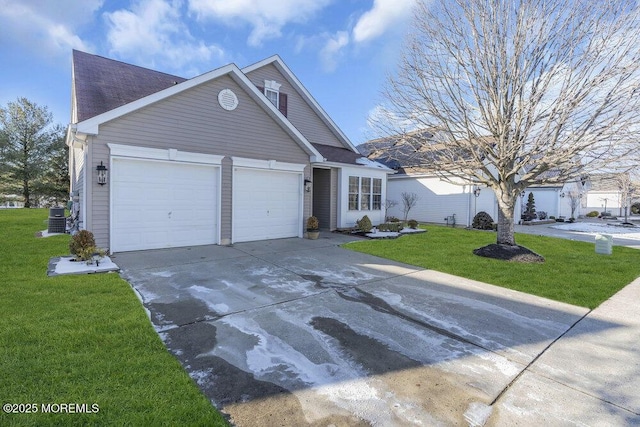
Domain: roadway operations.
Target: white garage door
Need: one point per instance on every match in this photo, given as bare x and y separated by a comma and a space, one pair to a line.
266, 204
162, 204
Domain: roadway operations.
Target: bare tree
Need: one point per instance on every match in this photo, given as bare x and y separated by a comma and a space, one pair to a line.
574, 197
409, 200
389, 204
514, 93
627, 191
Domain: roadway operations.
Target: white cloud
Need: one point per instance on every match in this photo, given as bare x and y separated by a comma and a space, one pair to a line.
46, 27
153, 33
385, 15
267, 17
333, 50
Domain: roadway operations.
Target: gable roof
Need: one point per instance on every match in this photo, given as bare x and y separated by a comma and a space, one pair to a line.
105, 89
103, 84
91, 125
277, 62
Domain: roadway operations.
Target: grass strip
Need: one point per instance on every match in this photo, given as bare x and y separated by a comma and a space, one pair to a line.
572, 273
82, 339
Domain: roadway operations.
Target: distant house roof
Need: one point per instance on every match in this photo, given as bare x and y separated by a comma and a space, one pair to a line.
102, 84
605, 182
404, 155
395, 154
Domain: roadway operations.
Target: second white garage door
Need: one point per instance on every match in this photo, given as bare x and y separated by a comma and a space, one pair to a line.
267, 204
159, 204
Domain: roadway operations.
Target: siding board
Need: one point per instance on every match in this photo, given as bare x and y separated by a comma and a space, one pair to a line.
299, 112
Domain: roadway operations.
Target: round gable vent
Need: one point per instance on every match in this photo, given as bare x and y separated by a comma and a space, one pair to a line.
227, 99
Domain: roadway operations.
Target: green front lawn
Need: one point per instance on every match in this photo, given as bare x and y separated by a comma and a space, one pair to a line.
572, 273
82, 339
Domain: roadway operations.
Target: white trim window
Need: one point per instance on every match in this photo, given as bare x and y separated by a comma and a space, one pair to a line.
365, 194
354, 193
376, 194
272, 92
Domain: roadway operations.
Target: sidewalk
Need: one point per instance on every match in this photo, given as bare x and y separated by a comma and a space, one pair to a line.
590, 376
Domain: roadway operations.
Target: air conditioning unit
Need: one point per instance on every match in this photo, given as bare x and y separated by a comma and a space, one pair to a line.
57, 221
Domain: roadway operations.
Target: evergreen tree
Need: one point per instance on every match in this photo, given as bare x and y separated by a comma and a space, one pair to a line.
54, 185
25, 147
530, 210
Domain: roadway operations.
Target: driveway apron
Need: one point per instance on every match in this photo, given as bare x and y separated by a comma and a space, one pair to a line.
303, 332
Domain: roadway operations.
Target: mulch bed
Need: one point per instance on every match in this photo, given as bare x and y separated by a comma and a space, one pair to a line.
513, 253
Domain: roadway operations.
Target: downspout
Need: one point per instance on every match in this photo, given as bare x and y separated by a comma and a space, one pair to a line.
78, 141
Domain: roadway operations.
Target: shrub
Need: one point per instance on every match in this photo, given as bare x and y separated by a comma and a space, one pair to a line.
542, 215
552, 217
80, 241
395, 226
482, 221
313, 224
635, 208
593, 214
413, 224
364, 224
83, 246
390, 226
393, 219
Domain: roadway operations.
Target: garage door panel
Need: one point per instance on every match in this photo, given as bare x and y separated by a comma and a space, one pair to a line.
163, 204
266, 204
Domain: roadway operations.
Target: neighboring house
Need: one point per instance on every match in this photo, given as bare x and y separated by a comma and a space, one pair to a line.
605, 194
229, 156
9, 201
439, 201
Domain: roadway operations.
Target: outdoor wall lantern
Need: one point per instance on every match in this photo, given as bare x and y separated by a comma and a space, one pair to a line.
102, 174
307, 185
476, 191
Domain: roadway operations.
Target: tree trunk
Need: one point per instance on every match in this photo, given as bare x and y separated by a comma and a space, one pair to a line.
506, 207
26, 194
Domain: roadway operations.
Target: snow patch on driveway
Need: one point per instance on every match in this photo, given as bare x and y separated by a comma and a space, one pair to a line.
163, 274
205, 295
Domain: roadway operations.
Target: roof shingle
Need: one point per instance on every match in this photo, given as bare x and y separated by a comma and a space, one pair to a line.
102, 84
337, 154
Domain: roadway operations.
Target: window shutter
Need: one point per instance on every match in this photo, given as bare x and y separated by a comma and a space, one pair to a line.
282, 104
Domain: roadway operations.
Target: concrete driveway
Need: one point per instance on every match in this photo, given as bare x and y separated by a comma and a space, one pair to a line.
300, 332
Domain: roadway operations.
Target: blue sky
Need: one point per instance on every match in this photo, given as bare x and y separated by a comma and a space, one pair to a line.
341, 50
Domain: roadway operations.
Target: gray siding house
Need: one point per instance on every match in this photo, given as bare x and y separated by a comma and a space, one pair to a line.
229, 156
